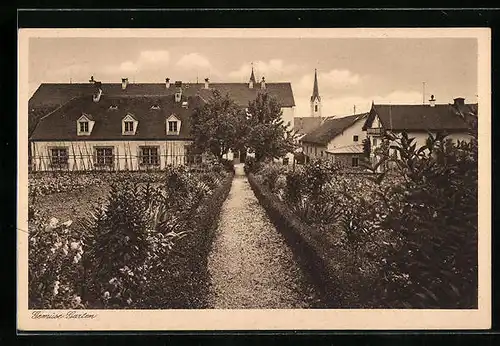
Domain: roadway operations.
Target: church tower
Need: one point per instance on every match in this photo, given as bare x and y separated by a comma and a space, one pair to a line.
315, 98
252, 81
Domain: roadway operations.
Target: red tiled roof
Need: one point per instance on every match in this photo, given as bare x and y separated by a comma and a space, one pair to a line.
331, 128
421, 117
60, 93
61, 124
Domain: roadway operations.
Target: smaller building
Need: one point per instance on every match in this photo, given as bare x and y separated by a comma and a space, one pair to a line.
419, 120
337, 139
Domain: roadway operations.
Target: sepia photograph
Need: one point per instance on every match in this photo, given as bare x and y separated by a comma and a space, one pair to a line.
279, 176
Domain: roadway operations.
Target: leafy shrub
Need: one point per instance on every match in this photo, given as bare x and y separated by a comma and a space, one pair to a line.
128, 255
408, 235
54, 265
295, 186
433, 214
228, 165
119, 245
270, 174
252, 165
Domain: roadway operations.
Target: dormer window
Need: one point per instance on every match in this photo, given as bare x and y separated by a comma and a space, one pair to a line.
113, 107
155, 107
173, 125
84, 125
129, 125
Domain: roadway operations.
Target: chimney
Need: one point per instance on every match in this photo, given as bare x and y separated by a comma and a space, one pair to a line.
97, 96
206, 83
124, 83
459, 101
178, 92
432, 101
167, 83
91, 80
263, 83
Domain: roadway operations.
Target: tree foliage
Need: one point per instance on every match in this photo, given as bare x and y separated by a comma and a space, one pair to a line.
218, 126
268, 136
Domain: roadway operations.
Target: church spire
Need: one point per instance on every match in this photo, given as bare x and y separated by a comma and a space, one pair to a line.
315, 94
252, 79
315, 98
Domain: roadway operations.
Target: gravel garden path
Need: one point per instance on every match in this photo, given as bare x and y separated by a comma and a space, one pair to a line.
250, 264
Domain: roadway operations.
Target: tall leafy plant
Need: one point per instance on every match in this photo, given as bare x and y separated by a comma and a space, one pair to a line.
433, 215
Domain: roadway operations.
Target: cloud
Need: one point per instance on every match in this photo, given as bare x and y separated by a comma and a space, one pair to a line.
147, 59
330, 81
154, 57
194, 60
273, 70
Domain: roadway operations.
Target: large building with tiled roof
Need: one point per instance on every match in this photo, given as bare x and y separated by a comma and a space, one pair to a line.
127, 125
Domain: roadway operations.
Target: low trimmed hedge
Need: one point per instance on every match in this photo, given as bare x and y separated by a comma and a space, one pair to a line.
191, 255
308, 244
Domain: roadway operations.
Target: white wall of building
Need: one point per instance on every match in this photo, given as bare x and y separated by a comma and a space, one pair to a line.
288, 116
81, 153
347, 136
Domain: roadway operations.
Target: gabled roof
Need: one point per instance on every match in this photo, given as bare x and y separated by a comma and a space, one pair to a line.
60, 93
129, 116
86, 116
331, 128
60, 125
305, 125
422, 117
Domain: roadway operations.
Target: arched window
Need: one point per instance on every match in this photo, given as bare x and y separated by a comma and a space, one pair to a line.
315, 108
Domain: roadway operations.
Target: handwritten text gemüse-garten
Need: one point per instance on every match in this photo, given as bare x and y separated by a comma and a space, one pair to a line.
62, 315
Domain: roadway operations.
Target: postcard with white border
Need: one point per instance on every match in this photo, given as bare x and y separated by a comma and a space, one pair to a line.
254, 179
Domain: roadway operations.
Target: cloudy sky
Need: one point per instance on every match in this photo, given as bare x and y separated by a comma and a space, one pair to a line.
351, 71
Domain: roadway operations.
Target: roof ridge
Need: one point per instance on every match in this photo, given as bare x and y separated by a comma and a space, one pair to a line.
159, 83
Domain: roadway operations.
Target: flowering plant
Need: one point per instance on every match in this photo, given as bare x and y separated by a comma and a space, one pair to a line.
55, 265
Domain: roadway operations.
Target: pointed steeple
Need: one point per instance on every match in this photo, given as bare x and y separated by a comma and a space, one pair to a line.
252, 76
315, 94
252, 81
315, 98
